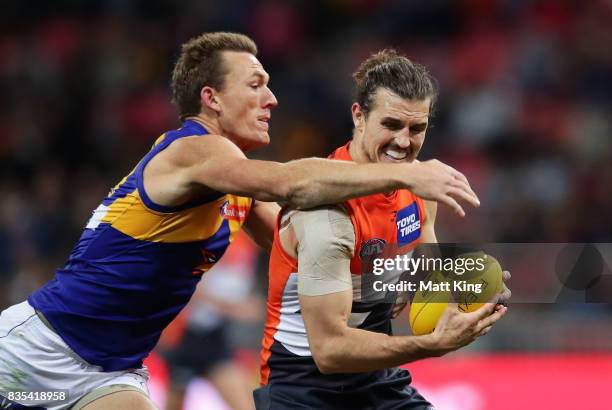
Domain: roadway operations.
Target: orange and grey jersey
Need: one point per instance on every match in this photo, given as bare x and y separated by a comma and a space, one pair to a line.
136, 266
383, 225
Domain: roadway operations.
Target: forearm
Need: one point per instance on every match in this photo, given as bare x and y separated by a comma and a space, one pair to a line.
315, 181
303, 183
358, 350
215, 164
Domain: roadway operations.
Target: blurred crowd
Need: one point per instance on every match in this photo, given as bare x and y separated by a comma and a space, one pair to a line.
524, 107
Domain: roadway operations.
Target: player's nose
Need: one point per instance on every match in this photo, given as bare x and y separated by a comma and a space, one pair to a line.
403, 140
270, 100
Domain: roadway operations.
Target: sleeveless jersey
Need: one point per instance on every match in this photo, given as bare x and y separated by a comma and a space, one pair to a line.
136, 266
384, 225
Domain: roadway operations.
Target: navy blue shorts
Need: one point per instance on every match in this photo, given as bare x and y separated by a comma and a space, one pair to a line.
389, 393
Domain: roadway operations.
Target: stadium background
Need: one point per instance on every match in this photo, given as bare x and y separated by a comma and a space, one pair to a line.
524, 112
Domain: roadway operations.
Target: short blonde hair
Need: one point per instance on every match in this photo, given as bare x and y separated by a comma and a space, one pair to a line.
201, 64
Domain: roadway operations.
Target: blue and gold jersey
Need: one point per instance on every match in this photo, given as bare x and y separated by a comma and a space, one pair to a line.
136, 266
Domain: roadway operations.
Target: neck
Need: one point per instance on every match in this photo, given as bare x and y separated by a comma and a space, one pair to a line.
213, 127
356, 150
211, 124
359, 155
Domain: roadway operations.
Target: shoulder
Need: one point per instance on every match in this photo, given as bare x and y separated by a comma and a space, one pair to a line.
197, 149
200, 147
324, 229
170, 174
327, 215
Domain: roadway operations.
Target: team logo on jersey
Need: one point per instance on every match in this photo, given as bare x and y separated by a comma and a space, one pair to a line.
372, 248
408, 224
233, 212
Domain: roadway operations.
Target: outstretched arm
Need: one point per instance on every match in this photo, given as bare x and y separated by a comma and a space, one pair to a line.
215, 163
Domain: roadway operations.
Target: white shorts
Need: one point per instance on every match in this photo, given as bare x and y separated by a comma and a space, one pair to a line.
35, 363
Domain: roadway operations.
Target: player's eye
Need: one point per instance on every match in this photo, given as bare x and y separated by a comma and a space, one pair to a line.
418, 128
392, 125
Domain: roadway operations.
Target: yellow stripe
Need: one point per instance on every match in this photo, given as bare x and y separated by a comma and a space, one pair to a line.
130, 216
234, 229
159, 139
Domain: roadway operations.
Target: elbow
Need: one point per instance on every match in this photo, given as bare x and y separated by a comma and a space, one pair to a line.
325, 361
325, 365
296, 189
285, 190
302, 195
299, 189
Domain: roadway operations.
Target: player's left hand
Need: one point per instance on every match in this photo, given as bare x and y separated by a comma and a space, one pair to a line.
506, 292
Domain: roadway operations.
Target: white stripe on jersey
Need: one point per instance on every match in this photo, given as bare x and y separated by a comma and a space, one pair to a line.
98, 214
291, 332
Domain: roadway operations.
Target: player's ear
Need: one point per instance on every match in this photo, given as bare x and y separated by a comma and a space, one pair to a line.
358, 116
209, 99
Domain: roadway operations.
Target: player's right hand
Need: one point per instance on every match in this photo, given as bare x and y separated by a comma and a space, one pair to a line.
436, 181
456, 329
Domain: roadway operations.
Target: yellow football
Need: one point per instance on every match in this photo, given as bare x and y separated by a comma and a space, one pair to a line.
470, 289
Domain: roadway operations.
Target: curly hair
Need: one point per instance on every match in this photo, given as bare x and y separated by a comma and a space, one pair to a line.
395, 72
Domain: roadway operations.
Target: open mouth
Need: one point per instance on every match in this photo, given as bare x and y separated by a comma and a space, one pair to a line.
395, 155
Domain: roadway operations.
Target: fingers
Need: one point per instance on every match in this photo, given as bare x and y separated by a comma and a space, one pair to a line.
458, 175
506, 293
448, 186
484, 311
463, 181
460, 193
494, 299
484, 331
465, 187
458, 329
449, 201
491, 319
452, 306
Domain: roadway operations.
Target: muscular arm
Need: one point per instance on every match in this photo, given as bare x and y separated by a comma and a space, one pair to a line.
326, 295
325, 244
338, 348
215, 163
